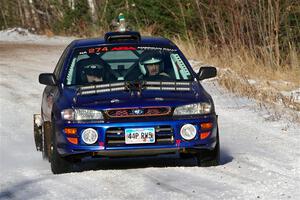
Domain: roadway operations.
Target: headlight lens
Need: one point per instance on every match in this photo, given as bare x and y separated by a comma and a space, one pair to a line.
81, 114
193, 109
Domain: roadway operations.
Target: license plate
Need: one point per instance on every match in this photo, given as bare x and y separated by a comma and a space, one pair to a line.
139, 135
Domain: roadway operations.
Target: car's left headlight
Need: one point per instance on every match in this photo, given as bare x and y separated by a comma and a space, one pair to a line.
81, 114
193, 109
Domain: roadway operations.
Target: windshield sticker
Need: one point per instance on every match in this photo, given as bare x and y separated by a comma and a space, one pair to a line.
97, 50
82, 52
122, 48
156, 48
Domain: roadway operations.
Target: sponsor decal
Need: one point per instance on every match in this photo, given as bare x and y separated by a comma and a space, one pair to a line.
123, 48
94, 50
156, 48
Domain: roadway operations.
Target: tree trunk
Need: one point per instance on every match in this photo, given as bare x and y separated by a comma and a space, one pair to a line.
276, 32
28, 21
183, 19
36, 20
21, 16
93, 11
203, 22
4, 18
104, 11
71, 4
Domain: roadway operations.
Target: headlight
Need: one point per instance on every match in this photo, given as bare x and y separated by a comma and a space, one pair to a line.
81, 114
193, 109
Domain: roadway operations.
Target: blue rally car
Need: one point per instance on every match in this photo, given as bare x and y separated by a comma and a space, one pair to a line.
125, 95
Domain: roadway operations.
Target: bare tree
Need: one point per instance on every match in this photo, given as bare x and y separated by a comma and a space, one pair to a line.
93, 10
26, 7
36, 19
71, 4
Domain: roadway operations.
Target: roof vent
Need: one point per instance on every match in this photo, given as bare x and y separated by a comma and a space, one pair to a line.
127, 36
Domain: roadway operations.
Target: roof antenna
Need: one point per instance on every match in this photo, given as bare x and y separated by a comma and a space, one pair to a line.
122, 23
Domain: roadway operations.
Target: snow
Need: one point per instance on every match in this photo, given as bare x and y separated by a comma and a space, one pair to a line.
24, 36
252, 81
294, 95
259, 157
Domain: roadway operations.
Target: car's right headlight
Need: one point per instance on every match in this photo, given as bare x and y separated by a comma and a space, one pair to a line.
81, 114
193, 109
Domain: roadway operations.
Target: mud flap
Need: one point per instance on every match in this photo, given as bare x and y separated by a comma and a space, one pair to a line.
37, 131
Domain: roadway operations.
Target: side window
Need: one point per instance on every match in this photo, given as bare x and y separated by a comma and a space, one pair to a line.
60, 63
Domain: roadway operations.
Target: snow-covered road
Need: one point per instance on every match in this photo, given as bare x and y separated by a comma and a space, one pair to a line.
260, 158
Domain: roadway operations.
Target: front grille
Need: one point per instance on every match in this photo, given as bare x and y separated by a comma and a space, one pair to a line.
138, 112
116, 136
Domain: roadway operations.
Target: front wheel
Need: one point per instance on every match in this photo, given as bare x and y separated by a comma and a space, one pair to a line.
207, 158
47, 130
59, 164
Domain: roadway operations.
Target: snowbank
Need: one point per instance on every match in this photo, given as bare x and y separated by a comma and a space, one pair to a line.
293, 95
24, 36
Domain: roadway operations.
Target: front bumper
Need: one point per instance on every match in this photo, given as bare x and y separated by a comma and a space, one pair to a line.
103, 148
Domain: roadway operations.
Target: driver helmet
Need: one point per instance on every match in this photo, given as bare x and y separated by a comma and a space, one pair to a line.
94, 70
150, 59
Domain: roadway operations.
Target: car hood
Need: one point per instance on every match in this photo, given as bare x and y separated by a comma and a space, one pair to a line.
118, 99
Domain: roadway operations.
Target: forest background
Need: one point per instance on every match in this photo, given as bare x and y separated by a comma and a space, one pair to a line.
256, 40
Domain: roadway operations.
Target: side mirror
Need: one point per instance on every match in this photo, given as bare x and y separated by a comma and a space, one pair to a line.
207, 72
47, 79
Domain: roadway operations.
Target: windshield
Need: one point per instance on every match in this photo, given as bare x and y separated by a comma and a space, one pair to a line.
125, 63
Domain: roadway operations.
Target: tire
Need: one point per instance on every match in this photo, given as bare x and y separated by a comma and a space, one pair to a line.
47, 131
186, 155
59, 164
208, 158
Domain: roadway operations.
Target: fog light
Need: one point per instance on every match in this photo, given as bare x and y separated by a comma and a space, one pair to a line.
188, 131
89, 136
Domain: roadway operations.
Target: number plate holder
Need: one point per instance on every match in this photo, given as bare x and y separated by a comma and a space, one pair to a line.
139, 135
